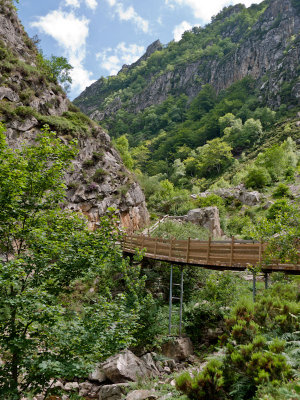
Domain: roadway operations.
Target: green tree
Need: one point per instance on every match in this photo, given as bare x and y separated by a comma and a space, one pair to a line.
46, 331
214, 157
56, 68
122, 146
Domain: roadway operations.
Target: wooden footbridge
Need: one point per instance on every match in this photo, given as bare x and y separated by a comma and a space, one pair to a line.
235, 255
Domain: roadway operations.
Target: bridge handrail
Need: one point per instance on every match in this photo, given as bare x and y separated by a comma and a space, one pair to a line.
227, 254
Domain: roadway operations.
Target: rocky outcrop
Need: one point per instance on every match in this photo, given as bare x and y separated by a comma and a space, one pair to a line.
29, 99
270, 48
126, 367
239, 193
208, 217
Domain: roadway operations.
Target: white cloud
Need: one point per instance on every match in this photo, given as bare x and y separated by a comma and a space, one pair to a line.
113, 59
205, 10
71, 33
76, 3
129, 14
72, 3
179, 29
91, 4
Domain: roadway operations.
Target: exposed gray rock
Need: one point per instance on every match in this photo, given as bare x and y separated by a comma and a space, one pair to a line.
71, 387
9, 94
99, 179
207, 217
179, 349
98, 375
239, 192
24, 125
147, 358
89, 390
142, 395
113, 392
125, 367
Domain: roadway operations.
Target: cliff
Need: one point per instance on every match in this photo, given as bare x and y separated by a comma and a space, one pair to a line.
262, 41
29, 99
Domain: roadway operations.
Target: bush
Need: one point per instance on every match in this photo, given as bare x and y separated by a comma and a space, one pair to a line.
207, 385
257, 178
281, 190
280, 206
99, 175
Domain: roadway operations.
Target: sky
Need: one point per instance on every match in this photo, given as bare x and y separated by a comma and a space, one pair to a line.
99, 36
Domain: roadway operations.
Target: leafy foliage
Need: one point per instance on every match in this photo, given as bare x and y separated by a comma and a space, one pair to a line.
46, 329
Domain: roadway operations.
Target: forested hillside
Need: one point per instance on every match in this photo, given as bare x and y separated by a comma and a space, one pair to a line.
197, 112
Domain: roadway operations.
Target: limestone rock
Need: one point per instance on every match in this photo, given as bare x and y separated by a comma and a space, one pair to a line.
179, 349
113, 392
147, 358
98, 375
207, 217
9, 94
125, 367
71, 386
89, 390
142, 395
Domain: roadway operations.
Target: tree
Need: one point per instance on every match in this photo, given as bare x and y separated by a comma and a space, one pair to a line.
122, 146
214, 157
56, 68
47, 329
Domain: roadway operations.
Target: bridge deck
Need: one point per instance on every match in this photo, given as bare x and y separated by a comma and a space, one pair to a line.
236, 255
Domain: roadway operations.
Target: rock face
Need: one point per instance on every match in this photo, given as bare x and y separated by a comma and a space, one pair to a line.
271, 46
208, 217
28, 100
125, 367
113, 392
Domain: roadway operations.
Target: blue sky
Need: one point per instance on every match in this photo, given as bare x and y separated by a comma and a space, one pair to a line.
99, 36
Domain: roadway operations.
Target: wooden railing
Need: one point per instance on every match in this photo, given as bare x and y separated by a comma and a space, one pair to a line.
232, 254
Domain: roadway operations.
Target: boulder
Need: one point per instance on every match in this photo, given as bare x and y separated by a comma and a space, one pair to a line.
113, 392
89, 390
142, 395
9, 94
98, 375
125, 367
147, 358
249, 198
208, 217
179, 349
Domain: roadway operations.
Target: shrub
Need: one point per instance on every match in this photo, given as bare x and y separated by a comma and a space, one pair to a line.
281, 190
99, 175
257, 178
207, 385
280, 206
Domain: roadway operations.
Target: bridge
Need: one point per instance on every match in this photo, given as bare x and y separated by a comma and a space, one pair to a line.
234, 255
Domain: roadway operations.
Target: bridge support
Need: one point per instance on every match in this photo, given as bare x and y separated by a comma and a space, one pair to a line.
266, 280
254, 285
171, 298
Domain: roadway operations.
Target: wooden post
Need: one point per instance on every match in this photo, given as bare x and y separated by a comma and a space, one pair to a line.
231, 250
170, 299
155, 249
131, 244
208, 249
142, 244
188, 250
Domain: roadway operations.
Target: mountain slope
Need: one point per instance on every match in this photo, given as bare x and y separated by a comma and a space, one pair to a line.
29, 99
262, 41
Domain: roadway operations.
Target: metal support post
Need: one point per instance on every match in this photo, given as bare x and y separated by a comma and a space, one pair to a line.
254, 286
181, 302
266, 280
170, 299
